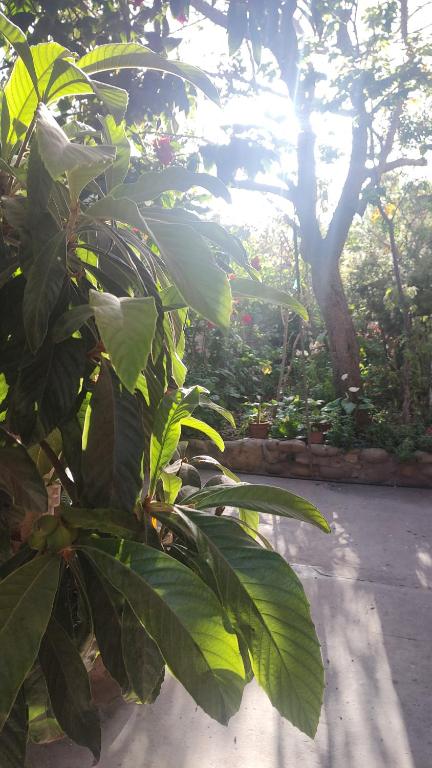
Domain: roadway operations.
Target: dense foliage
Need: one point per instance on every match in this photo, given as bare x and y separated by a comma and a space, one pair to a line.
105, 546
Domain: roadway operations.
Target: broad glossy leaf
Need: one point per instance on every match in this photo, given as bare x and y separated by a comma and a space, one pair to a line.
107, 622
16, 37
201, 426
115, 133
26, 601
243, 288
127, 327
205, 402
80, 162
43, 727
13, 737
71, 321
20, 93
69, 688
19, 476
123, 210
267, 499
209, 461
166, 430
142, 658
44, 283
184, 618
251, 521
266, 602
171, 485
190, 263
152, 184
113, 443
131, 55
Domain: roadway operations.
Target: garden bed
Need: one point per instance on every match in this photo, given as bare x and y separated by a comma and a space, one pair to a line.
293, 458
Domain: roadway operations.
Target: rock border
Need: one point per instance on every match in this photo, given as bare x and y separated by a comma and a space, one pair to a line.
293, 458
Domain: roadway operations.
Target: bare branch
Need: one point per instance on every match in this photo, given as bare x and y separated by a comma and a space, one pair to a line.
256, 186
402, 162
211, 13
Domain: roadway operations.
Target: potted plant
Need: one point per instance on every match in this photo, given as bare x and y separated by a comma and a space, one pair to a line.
258, 415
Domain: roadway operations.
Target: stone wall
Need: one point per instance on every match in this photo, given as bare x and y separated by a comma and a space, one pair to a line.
292, 458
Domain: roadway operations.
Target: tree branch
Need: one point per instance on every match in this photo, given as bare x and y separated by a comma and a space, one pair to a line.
211, 13
256, 186
347, 206
402, 162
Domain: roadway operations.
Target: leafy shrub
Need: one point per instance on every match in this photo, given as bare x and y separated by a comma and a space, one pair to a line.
96, 281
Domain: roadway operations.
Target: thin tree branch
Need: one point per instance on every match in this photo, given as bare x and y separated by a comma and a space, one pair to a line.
256, 186
402, 162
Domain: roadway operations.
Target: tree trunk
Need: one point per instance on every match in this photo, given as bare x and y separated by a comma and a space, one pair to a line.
342, 339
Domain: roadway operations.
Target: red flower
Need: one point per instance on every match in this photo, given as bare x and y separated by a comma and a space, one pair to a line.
256, 262
163, 149
182, 18
247, 319
232, 276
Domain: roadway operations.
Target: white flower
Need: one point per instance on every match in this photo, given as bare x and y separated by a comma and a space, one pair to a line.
353, 389
344, 376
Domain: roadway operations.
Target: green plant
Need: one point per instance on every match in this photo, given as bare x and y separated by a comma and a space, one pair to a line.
95, 284
258, 411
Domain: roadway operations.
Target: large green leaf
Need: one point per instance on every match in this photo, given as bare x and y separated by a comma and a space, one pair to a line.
267, 499
69, 688
243, 288
115, 522
127, 327
205, 402
59, 155
201, 426
26, 601
184, 618
131, 55
142, 658
13, 737
113, 442
16, 37
166, 430
115, 134
20, 94
190, 263
123, 210
19, 476
107, 622
152, 184
266, 602
44, 283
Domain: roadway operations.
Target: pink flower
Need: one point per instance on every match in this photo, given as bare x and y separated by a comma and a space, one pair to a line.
256, 263
182, 18
247, 319
163, 149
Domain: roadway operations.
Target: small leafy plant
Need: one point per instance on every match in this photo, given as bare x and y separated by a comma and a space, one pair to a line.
96, 278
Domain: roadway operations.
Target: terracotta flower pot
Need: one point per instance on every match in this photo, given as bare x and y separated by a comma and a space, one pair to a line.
260, 430
316, 437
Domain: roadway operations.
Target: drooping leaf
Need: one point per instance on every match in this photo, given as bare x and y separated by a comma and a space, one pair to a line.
127, 327
267, 499
13, 737
26, 601
142, 658
243, 288
171, 486
44, 283
131, 55
183, 617
80, 162
266, 601
152, 184
69, 688
107, 622
166, 429
190, 263
19, 476
111, 464
115, 133
251, 521
206, 402
209, 461
115, 522
16, 37
201, 426
70, 321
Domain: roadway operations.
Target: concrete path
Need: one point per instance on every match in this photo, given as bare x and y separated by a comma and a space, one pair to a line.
370, 586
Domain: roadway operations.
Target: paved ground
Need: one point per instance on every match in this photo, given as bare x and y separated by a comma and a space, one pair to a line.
370, 585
